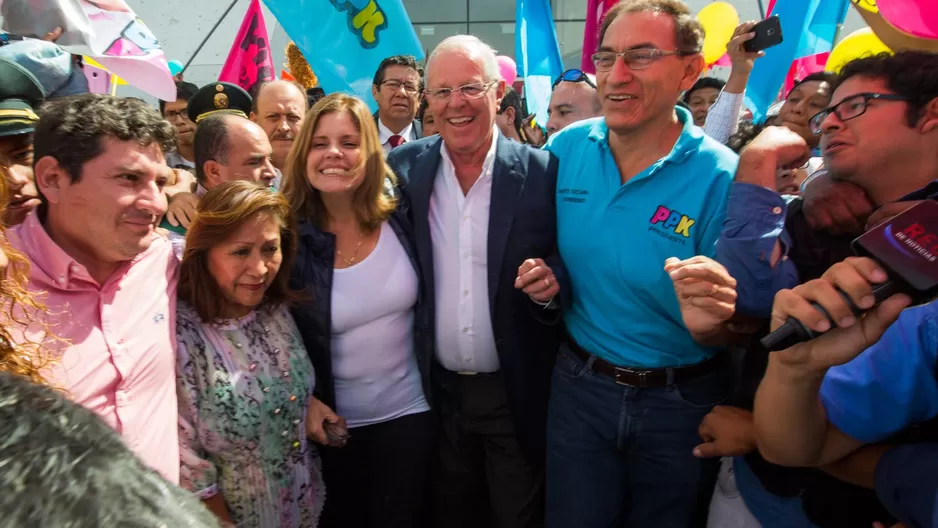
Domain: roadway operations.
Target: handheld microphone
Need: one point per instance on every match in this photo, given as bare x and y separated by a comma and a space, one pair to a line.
906, 247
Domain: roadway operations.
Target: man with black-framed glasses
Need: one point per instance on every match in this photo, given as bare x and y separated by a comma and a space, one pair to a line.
396, 89
573, 98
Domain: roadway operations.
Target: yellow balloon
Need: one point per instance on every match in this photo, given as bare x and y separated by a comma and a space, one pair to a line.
860, 43
719, 20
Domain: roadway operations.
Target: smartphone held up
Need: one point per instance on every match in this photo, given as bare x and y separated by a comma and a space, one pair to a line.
768, 33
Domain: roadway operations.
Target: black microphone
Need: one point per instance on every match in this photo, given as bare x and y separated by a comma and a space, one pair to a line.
906, 247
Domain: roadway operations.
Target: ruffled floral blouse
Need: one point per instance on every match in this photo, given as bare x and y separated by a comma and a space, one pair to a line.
243, 391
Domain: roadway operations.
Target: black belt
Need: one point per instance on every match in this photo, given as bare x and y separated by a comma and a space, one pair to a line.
648, 378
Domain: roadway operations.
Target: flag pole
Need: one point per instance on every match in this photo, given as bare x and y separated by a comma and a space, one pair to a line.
761, 9
202, 44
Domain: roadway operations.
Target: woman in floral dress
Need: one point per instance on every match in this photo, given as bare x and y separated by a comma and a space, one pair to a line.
244, 379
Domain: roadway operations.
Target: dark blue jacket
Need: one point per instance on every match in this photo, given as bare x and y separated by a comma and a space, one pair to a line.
312, 274
906, 482
522, 225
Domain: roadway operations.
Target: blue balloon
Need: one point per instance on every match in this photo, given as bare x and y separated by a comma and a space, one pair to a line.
175, 67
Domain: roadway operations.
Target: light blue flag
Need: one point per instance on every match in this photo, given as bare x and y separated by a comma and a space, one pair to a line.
819, 35
536, 54
808, 27
344, 41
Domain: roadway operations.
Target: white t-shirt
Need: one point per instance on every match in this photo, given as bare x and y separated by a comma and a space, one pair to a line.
373, 362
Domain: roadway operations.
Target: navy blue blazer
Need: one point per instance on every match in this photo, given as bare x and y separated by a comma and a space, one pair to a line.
522, 225
418, 126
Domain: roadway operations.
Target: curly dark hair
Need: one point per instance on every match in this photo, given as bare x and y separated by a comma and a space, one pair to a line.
911, 74
71, 129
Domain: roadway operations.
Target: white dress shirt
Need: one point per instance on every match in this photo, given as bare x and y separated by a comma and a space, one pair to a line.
723, 117
459, 229
384, 134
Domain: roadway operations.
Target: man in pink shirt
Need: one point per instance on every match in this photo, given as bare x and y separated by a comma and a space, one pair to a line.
110, 282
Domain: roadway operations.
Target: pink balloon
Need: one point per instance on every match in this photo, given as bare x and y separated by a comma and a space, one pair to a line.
916, 17
724, 60
508, 68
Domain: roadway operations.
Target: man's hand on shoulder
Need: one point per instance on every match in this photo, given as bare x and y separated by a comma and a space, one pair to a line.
838, 207
182, 209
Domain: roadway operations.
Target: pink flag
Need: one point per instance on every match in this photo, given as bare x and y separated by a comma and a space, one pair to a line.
803, 67
249, 62
595, 11
771, 5
724, 60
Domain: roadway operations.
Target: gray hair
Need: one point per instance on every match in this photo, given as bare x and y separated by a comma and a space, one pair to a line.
472, 46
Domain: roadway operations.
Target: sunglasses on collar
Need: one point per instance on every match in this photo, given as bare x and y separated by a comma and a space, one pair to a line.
573, 75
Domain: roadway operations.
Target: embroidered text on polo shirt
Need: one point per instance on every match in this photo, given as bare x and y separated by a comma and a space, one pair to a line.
666, 219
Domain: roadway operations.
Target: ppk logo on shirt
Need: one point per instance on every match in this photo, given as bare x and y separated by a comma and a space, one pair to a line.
671, 224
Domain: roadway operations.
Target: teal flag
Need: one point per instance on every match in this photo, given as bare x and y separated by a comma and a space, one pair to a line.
344, 41
536, 54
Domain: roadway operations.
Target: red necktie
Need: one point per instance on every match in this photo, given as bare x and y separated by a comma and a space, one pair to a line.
396, 141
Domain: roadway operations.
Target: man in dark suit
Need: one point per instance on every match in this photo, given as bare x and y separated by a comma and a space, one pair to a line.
396, 89
483, 213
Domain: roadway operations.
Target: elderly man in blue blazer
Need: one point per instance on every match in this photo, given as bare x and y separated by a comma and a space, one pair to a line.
483, 214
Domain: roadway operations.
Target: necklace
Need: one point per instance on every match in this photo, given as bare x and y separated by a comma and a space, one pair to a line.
351, 260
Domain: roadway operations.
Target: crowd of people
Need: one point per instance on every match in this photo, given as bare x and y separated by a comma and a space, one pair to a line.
281, 310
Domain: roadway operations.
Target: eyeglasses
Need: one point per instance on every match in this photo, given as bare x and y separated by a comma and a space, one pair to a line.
851, 107
172, 115
636, 59
573, 75
396, 85
467, 91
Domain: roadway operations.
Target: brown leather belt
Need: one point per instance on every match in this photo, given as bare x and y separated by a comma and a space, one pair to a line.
648, 378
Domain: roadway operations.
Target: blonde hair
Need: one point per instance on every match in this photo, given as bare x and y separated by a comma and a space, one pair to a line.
372, 205
18, 307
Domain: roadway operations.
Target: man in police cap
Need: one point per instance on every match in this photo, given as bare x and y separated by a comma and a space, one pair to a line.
228, 146
219, 98
214, 99
20, 94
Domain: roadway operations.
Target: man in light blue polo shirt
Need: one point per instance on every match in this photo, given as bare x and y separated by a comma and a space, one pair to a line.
634, 188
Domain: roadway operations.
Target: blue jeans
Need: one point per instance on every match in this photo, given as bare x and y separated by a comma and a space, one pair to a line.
622, 456
769, 509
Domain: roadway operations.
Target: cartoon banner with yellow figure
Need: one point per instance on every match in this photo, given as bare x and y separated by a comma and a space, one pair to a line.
344, 41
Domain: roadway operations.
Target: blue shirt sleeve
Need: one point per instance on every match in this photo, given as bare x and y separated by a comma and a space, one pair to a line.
906, 482
890, 385
755, 221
